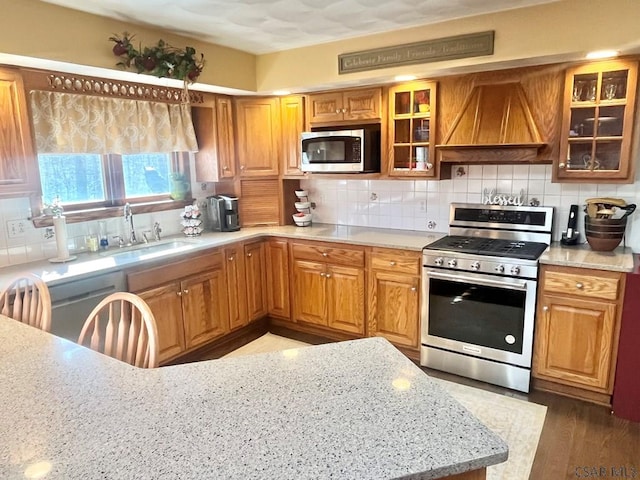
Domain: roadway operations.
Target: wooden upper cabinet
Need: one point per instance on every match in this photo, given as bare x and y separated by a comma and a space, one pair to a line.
18, 162
213, 124
292, 125
412, 122
258, 136
364, 104
597, 123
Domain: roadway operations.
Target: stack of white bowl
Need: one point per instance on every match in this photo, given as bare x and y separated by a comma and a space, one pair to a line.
303, 206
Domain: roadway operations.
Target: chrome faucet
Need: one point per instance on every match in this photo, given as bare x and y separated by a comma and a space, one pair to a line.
128, 218
156, 231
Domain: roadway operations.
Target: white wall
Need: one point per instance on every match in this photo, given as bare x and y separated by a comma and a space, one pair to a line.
412, 204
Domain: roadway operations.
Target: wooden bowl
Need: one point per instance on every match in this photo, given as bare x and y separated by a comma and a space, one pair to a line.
603, 244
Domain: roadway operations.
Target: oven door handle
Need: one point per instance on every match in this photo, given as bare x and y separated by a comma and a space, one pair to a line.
479, 281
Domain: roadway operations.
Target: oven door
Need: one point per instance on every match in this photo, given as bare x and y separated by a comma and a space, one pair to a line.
479, 315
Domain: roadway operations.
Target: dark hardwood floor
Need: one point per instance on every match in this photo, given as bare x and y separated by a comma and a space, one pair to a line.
579, 439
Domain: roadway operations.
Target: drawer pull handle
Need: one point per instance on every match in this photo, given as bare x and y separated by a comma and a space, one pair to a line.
579, 286
325, 254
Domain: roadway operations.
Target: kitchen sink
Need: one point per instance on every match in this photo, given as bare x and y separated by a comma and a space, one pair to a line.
149, 250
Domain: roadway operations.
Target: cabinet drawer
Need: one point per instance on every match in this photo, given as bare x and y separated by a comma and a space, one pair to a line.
326, 252
583, 285
396, 261
149, 277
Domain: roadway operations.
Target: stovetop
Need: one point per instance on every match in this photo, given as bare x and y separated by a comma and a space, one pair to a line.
496, 247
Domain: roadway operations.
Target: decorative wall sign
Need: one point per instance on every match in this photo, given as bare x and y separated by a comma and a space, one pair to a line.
448, 48
490, 197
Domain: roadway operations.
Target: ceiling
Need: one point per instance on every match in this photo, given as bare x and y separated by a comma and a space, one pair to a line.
263, 26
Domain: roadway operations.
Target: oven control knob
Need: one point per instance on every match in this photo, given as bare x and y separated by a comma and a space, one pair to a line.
439, 261
475, 266
515, 270
452, 263
499, 268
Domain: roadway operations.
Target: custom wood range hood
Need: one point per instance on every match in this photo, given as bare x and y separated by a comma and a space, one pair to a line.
495, 125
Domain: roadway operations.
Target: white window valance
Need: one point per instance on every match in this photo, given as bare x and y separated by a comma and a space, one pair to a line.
71, 123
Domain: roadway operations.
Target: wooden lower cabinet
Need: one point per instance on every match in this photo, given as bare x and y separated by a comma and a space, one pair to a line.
577, 328
255, 278
236, 289
329, 286
394, 296
166, 304
204, 317
188, 300
277, 271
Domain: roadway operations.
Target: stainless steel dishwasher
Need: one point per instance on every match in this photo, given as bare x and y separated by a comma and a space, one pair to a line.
72, 302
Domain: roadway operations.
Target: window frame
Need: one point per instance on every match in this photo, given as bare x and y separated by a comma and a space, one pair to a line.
114, 191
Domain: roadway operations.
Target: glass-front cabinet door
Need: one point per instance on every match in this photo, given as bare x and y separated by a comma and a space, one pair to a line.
412, 114
599, 107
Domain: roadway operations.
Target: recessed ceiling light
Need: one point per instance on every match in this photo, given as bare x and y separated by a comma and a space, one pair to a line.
405, 78
602, 54
282, 92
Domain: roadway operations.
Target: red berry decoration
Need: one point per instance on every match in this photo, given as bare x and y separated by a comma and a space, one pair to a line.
119, 49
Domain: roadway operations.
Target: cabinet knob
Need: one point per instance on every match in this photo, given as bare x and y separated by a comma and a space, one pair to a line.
327, 275
545, 308
322, 274
344, 110
393, 264
337, 110
179, 294
413, 289
249, 254
579, 286
241, 167
562, 165
185, 291
325, 254
225, 168
231, 259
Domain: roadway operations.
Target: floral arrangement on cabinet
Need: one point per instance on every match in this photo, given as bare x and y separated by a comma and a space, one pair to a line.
160, 60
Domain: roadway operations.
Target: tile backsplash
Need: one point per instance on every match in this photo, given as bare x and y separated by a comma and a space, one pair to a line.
424, 204
401, 204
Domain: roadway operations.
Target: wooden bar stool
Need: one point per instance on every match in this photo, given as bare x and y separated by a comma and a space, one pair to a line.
123, 327
27, 300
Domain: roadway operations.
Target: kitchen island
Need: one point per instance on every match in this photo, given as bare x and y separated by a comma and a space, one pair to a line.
348, 410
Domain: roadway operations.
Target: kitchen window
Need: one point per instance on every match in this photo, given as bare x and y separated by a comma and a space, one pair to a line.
85, 180
97, 152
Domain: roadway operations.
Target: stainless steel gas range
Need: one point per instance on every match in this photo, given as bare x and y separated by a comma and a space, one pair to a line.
479, 292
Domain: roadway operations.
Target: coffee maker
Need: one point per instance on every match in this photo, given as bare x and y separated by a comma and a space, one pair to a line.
223, 213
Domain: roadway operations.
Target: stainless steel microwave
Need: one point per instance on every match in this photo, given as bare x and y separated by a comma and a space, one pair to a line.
341, 151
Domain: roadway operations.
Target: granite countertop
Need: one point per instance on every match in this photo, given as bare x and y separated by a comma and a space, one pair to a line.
582, 256
348, 410
116, 259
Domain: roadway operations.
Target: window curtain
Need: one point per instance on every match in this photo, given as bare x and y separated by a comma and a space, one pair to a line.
68, 123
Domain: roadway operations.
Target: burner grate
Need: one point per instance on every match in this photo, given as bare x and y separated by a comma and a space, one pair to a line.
489, 246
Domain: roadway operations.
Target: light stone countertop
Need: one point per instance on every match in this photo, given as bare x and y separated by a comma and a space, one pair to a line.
88, 264
582, 256
348, 410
